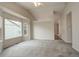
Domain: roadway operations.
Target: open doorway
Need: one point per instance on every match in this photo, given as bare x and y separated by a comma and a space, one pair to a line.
56, 31
69, 27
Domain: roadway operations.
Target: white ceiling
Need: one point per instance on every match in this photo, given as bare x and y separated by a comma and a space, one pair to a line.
44, 12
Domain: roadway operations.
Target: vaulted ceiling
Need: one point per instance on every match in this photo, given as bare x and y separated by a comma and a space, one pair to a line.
44, 12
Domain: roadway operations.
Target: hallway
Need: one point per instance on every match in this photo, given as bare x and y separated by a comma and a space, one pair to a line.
40, 48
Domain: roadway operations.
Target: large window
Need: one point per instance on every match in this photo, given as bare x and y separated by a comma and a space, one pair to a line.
12, 28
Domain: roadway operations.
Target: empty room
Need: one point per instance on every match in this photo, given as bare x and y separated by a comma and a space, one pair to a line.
39, 29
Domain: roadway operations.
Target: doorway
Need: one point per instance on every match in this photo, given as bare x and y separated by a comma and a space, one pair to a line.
69, 27
56, 31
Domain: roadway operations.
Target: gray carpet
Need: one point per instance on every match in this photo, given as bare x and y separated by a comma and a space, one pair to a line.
40, 48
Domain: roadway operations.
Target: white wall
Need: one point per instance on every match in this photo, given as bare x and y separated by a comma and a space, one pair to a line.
63, 23
75, 23
74, 8
43, 30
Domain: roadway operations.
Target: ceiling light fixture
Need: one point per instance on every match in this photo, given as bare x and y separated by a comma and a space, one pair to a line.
37, 4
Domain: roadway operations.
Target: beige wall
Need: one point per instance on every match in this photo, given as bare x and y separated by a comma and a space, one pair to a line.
43, 30
17, 9
1, 34
13, 41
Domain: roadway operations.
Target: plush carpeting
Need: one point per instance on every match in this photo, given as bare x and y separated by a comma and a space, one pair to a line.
40, 48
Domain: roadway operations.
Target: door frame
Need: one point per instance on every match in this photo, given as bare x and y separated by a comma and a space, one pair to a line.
70, 24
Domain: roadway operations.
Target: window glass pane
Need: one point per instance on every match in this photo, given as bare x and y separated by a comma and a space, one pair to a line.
12, 29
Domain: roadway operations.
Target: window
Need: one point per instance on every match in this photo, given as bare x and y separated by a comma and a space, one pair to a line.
12, 29
25, 29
